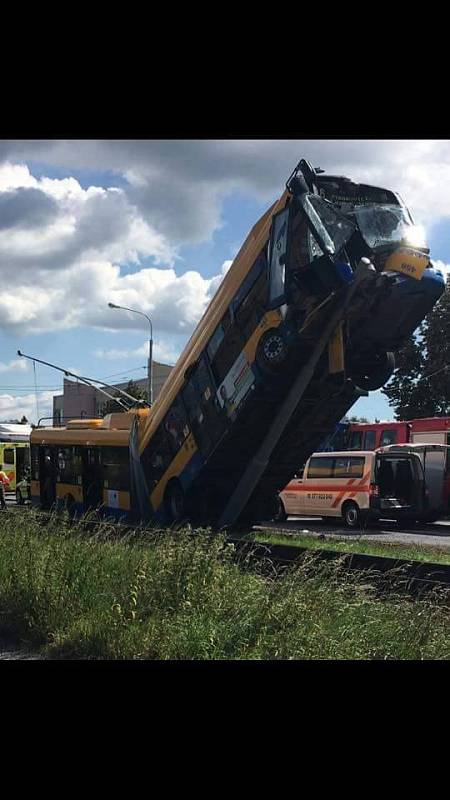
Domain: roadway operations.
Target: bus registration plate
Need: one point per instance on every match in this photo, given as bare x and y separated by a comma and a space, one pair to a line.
408, 261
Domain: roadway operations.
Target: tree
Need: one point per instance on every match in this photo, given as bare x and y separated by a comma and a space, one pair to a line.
111, 407
420, 386
358, 419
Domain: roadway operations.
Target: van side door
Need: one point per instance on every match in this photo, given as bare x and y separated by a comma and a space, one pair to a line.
318, 494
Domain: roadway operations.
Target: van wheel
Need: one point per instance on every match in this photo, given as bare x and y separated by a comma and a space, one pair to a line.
174, 501
351, 514
375, 373
272, 351
279, 514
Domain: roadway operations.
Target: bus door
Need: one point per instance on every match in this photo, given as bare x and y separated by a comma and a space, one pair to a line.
22, 462
207, 419
9, 465
92, 478
47, 472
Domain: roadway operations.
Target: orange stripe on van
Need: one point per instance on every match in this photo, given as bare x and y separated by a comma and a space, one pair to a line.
324, 487
362, 486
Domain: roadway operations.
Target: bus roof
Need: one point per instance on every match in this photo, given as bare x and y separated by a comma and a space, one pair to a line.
114, 429
81, 436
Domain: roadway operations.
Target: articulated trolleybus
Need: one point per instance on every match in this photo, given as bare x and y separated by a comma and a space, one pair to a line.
328, 284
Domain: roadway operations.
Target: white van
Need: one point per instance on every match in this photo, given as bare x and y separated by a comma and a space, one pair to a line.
358, 486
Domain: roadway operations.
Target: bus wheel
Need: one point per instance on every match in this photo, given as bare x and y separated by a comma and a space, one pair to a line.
69, 506
174, 501
272, 351
375, 373
351, 514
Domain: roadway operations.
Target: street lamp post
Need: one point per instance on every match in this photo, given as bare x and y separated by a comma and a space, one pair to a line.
150, 349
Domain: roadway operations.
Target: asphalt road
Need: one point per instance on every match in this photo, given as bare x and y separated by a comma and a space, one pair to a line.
436, 534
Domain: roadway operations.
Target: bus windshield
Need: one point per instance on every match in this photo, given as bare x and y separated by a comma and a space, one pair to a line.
384, 225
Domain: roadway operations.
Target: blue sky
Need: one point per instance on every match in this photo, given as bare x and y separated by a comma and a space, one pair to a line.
154, 225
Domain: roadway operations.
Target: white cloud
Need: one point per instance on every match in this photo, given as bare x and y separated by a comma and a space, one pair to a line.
65, 251
15, 406
16, 365
164, 352
442, 265
179, 185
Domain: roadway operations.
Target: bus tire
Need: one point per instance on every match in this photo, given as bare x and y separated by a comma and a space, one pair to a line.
69, 506
272, 351
374, 375
174, 501
351, 514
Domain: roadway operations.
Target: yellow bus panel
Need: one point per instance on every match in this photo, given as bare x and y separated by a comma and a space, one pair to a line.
178, 464
68, 488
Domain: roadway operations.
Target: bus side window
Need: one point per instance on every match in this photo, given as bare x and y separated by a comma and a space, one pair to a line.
69, 465
252, 308
226, 354
157, 455
115, 468
176, 425
388, 437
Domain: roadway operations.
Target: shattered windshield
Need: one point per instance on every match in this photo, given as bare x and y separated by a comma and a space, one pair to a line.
382, 225
338, 227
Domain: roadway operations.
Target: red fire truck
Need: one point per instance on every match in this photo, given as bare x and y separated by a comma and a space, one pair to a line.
430, 430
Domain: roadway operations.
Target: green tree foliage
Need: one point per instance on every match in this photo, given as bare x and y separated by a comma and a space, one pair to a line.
420, 386
111, 407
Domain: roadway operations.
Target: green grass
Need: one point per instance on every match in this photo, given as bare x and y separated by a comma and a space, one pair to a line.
162, 595
413, 552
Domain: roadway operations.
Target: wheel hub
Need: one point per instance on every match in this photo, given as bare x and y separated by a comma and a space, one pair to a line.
273, 347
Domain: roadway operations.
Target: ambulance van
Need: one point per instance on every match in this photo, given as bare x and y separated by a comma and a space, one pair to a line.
358, 486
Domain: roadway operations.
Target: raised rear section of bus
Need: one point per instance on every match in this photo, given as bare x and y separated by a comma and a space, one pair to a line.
298, 330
